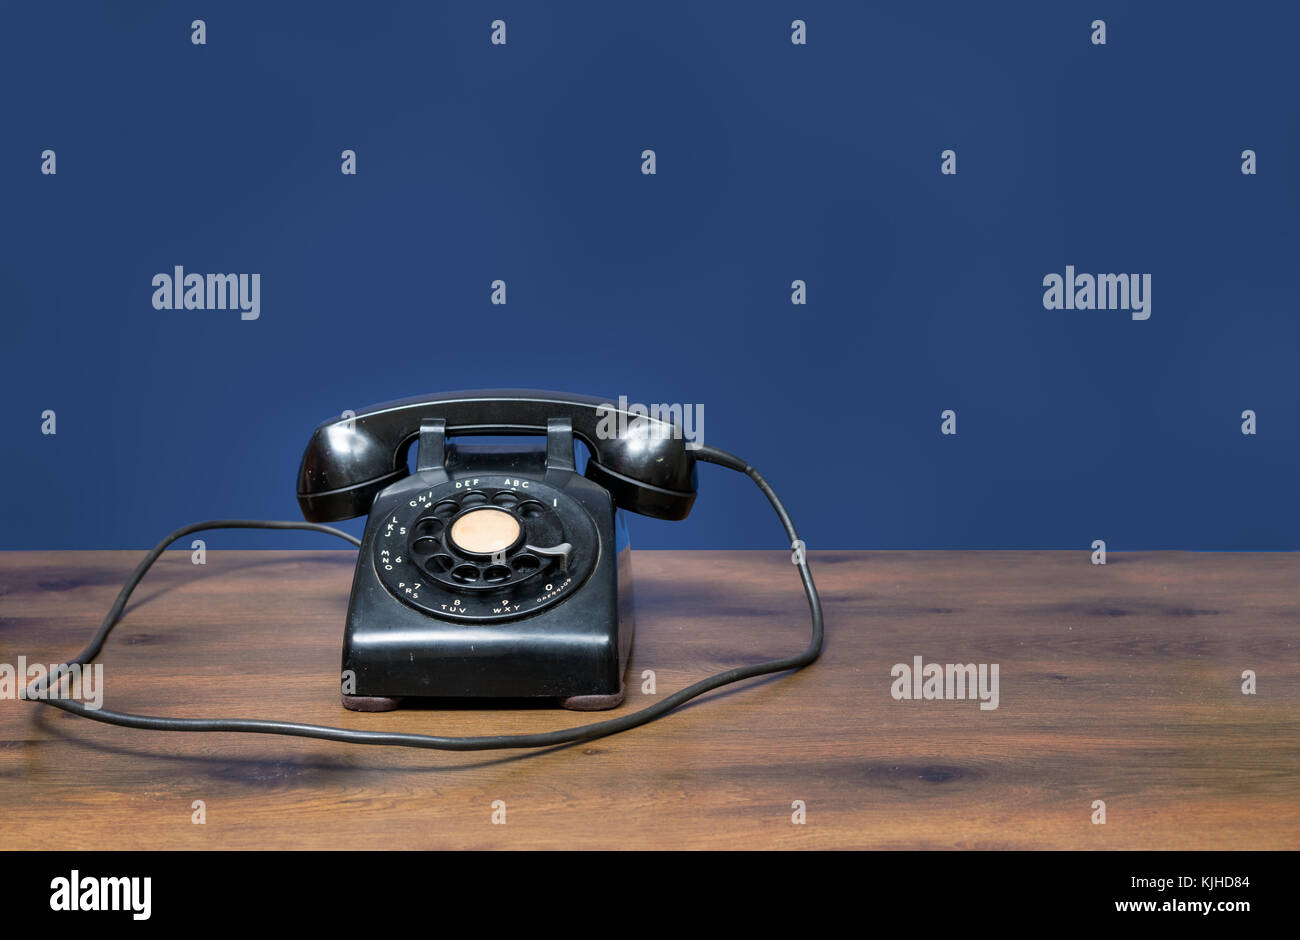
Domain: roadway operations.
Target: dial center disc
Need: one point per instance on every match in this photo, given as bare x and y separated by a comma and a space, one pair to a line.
485, 531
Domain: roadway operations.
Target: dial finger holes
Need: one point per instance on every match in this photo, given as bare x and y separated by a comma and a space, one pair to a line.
438, 564
505, 499
465, 573
530, 508
446, 508
474, 498
428, 528
496, 573
525, 564
426, 545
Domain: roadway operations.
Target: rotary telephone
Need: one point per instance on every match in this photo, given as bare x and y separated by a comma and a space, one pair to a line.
491, 571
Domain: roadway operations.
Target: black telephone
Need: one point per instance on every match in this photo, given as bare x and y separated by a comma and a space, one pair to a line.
492, 571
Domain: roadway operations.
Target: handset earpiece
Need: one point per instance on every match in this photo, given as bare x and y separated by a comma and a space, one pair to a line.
346, 464
647, 470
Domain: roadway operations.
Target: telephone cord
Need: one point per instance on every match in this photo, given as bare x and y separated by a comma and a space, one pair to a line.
586, 732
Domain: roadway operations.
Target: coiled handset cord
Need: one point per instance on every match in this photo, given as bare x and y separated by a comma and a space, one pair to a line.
587, 732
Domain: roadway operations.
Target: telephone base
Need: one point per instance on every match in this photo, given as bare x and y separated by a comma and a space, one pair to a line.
558, 634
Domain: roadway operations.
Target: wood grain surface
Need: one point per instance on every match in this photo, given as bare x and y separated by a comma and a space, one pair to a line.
1119, 683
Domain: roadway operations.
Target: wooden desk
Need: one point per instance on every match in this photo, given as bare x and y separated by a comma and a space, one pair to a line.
1119, 683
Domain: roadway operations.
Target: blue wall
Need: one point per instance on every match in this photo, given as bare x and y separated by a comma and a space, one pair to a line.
776, 162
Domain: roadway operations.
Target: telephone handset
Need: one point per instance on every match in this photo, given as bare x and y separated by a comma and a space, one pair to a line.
490, 571
648, 470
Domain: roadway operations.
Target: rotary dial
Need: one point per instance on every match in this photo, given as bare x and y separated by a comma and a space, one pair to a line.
485, 548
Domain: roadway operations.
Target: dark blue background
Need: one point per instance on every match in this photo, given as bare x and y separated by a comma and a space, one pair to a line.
775, 162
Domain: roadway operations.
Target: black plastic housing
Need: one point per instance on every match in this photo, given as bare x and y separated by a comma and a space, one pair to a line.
574, 650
